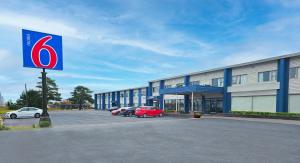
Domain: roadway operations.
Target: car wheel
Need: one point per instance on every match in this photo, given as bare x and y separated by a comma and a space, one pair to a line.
37, 115
160, 114
130, 114
13, 116
144, 115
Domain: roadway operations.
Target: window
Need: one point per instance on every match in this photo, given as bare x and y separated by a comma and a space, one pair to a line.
179, 85
218, 82
295, 73
32, 109
122, 95
168, 86
195, 83
239, 79
267, 76
155, 89
25, 109
135, 93
143, 92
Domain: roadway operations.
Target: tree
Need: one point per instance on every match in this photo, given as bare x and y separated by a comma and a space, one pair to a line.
33, 99
81, 95
11, 105
52, 93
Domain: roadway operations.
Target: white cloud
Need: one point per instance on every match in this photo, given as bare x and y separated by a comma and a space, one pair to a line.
81, 76
40, 24
145, 70
161, 45
286, 3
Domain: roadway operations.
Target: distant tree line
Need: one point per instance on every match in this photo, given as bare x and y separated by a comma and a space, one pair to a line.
33, 98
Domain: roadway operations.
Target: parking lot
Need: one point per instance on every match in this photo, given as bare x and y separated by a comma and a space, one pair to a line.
96, 136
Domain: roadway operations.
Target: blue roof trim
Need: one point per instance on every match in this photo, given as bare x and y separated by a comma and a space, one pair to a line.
192, 88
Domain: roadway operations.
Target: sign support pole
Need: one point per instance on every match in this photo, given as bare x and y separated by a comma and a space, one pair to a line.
45, 115
44, 93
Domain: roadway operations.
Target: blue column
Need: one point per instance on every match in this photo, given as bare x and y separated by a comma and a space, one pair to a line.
108, 100
125, 98
186, 80
95, 102
131, 97
150, 101
140, 97
203, 104
118, 99
100, 100
147, 95
113, 98
161, 96
103, 101
282, 96
186, 97
226, 95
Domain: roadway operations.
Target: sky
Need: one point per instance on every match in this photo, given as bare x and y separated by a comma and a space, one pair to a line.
115, 44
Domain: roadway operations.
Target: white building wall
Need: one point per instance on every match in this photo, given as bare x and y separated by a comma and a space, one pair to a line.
253, 70
155, 84
144, 96
254, 103
122, 98
294, 103
127, 97
252, 83
294, 84
106, 101
264, 103
254, 96
206, 78
174, 81
136, 97
169, 97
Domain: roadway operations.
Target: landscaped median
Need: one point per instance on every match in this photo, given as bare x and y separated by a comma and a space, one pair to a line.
14, 128
291, 116
3, 110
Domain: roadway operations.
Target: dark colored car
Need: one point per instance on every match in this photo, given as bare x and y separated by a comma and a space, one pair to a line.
128, 111
113, 108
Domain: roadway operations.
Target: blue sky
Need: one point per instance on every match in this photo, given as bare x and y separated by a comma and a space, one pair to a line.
116, 44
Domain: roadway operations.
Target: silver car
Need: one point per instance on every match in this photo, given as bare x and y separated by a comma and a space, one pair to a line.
24, 112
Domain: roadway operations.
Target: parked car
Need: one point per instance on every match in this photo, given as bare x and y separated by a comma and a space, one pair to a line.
116, 112
128, 111
150, 111
24, 112
113, 108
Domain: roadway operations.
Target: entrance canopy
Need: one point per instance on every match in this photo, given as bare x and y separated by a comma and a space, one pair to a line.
192, 89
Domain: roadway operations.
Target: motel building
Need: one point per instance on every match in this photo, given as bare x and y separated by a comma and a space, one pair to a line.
267, 85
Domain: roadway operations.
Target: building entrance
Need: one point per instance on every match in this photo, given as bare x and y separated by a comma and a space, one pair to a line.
208, 105
213, 105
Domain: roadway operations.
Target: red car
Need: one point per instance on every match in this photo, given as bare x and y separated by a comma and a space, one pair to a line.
116, 112
150, 111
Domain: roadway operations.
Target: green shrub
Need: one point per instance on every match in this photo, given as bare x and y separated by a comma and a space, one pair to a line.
3, 128
45, 124
266, 114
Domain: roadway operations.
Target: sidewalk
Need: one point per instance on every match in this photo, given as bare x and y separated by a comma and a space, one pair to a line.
279, 121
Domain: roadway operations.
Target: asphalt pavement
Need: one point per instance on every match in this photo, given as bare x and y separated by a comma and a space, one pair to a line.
96, 136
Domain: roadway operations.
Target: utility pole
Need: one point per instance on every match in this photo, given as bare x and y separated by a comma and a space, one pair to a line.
27, 100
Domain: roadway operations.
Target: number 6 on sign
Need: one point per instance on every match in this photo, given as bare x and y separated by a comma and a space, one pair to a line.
42, 50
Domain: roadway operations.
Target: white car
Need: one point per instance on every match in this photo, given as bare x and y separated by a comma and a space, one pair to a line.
24, 112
